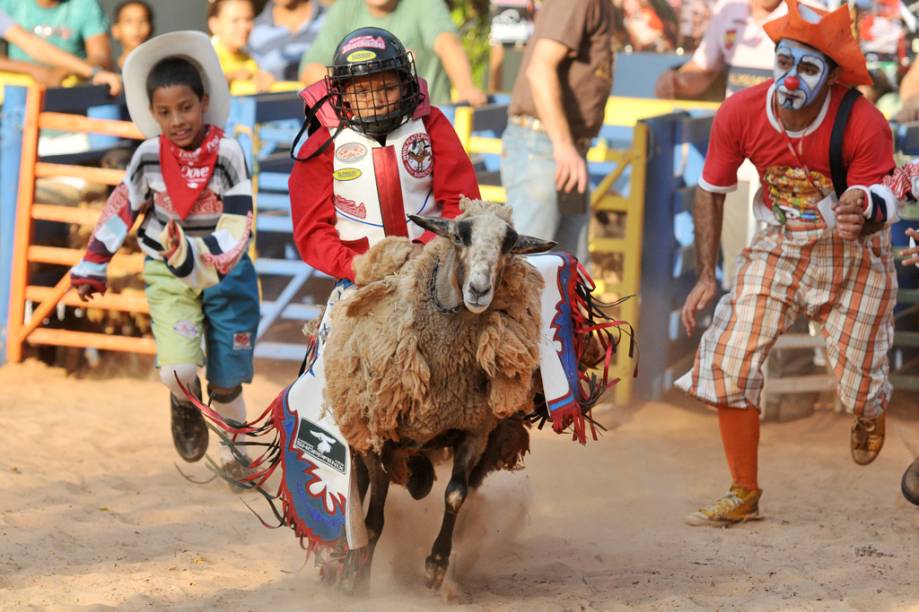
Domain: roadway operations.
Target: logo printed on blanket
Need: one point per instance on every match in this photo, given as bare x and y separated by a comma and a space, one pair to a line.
320, 445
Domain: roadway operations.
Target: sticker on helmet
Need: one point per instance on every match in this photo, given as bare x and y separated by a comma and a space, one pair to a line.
417, 156
374, 42
346, 174
361, 55
350, 152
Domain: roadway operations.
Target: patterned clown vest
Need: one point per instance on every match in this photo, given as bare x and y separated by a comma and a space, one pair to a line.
375, 186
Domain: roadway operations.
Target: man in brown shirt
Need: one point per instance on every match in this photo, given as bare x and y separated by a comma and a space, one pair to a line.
556, 110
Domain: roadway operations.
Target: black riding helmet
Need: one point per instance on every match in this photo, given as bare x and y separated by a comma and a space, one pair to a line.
364, 52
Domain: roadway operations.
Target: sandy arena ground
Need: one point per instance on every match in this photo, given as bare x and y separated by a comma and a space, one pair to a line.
94, 516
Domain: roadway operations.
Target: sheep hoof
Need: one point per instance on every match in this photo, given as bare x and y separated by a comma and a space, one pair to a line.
435, 568
355, 583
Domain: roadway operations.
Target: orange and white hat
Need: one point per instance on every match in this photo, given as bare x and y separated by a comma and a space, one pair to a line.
828, 32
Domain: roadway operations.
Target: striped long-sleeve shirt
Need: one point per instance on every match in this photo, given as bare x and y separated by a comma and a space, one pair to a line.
212, 237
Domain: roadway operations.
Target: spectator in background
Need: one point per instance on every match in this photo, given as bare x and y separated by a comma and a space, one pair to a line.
556, 110
53, 64
75, 26
735, 41
132, 27
650, 25
230, 23
283, 32
909, 95
424, 26
694, 17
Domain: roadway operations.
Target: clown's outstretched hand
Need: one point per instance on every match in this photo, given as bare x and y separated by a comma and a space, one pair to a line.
910, 255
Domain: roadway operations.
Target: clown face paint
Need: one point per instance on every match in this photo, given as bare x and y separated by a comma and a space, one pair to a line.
800, 73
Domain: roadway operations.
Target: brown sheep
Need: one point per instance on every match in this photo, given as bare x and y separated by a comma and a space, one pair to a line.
442, 354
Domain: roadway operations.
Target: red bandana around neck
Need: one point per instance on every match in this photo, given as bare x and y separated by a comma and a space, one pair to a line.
188, 173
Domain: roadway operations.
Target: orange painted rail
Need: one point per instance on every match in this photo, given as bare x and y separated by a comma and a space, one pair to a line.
46, 299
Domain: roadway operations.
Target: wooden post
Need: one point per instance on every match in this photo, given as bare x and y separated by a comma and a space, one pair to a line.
462, 123
19, 276
44, 309
631, 257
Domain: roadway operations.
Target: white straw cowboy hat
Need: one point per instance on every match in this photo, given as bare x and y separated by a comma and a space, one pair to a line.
188, 44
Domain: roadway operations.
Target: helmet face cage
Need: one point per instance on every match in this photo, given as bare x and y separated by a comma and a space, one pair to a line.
371, 106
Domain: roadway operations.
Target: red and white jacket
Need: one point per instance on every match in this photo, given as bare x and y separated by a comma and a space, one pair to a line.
358, 191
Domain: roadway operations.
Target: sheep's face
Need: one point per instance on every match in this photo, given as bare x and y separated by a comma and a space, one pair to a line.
482, 243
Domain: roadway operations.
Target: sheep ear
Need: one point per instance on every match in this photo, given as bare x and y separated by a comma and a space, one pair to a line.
441, 227
529, 244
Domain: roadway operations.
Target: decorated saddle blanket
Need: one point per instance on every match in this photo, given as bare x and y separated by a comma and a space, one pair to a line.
318, 491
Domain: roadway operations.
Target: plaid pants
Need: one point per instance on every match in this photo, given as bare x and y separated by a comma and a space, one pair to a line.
849, 288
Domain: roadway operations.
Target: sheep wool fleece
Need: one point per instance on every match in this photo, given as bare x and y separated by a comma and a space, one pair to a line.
323, 448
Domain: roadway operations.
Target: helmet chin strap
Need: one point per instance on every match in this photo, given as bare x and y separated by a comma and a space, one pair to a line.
310, 113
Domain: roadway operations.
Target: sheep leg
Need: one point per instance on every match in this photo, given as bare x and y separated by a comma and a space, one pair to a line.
358, 581
466, 454
363, 476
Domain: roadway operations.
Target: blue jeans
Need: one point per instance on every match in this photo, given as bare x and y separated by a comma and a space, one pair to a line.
528, 175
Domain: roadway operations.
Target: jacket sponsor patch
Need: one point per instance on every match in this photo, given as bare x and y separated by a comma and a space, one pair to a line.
346, 174
350, 207
350, 152
417, 156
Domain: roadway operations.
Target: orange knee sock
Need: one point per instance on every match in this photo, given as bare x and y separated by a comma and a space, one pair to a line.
740, 437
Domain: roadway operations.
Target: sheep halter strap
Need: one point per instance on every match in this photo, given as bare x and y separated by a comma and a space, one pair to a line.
432, 292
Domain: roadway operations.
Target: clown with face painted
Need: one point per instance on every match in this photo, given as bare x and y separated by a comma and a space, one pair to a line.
800, 74
823, 249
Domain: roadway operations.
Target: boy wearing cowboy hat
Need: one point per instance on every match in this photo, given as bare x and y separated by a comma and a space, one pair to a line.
192, 186
824, 252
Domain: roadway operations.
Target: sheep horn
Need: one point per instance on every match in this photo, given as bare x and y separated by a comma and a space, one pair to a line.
441, 227
529, 244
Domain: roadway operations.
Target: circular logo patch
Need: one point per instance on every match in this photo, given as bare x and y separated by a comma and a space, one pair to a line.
417, 156
350, 152
346, 174
361, 56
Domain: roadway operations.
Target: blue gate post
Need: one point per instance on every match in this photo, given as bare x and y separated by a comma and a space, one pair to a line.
241, 127
11, 123
98, 142
658, 252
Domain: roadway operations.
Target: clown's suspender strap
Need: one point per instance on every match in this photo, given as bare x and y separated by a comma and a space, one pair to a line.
837, 165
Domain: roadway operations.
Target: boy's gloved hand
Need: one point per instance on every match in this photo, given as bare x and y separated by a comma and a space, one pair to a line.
87, 291
171, 238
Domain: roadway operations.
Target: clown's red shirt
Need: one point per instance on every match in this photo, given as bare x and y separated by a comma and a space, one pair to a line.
311, 197
746, 128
